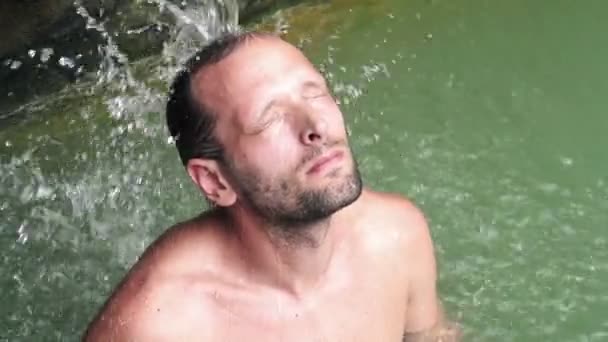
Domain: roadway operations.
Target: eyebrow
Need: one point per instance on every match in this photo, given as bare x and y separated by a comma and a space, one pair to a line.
317, 84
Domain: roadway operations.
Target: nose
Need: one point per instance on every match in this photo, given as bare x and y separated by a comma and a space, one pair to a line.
314, 131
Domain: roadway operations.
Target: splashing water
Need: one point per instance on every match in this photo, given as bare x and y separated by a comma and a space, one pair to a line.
479, 132
93, 181
114, 63
219, 16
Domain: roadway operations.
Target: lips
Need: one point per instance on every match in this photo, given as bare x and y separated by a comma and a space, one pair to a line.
324, 161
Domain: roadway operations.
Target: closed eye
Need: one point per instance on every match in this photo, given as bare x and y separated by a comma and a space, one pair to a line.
317, 95
265, 121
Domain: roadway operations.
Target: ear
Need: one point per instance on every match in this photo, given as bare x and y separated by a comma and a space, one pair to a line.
207, 174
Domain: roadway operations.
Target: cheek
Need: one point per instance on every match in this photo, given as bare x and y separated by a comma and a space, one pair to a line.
334, 117
274, 156
282, 156
337, 126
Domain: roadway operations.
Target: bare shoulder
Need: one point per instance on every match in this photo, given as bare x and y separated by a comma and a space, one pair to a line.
396, 217
144, 305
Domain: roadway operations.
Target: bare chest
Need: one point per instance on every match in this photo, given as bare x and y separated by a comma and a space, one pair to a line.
360, 312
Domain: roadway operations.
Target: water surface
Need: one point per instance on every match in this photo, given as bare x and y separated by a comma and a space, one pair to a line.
490, 115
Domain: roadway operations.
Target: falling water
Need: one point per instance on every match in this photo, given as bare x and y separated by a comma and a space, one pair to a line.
489, 115
92, 184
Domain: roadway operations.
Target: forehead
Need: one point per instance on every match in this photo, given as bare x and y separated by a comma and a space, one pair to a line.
257, 66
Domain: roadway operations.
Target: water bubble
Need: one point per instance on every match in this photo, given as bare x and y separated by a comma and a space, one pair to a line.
31, 53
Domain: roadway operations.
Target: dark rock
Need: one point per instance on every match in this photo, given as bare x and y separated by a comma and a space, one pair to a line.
47, 43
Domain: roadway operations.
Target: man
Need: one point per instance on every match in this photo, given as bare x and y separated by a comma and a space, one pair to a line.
294, 249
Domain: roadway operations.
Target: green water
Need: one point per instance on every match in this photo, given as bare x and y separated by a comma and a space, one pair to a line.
490, 115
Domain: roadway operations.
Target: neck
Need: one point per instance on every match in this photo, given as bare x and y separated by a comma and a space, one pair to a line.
294, 259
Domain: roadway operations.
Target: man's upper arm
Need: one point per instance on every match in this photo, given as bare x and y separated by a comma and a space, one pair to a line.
117, 319
423, 307
153, 310
425, 319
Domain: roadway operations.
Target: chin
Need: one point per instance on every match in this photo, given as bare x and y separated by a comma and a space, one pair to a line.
347, 191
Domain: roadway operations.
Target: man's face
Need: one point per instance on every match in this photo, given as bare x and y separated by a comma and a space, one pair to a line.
286, 148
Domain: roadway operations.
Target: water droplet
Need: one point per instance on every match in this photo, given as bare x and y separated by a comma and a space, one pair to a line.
45, 54
568, 230
23, 234
44, 192
15, 65
566, 161
66, 62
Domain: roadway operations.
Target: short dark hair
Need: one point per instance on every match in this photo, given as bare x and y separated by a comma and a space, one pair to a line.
191, 123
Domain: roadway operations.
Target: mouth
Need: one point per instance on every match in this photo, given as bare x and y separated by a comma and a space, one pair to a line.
325, 162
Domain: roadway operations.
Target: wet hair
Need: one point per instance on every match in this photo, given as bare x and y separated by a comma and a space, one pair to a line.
191, 123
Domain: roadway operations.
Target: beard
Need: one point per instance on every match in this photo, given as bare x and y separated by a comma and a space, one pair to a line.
286, 204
